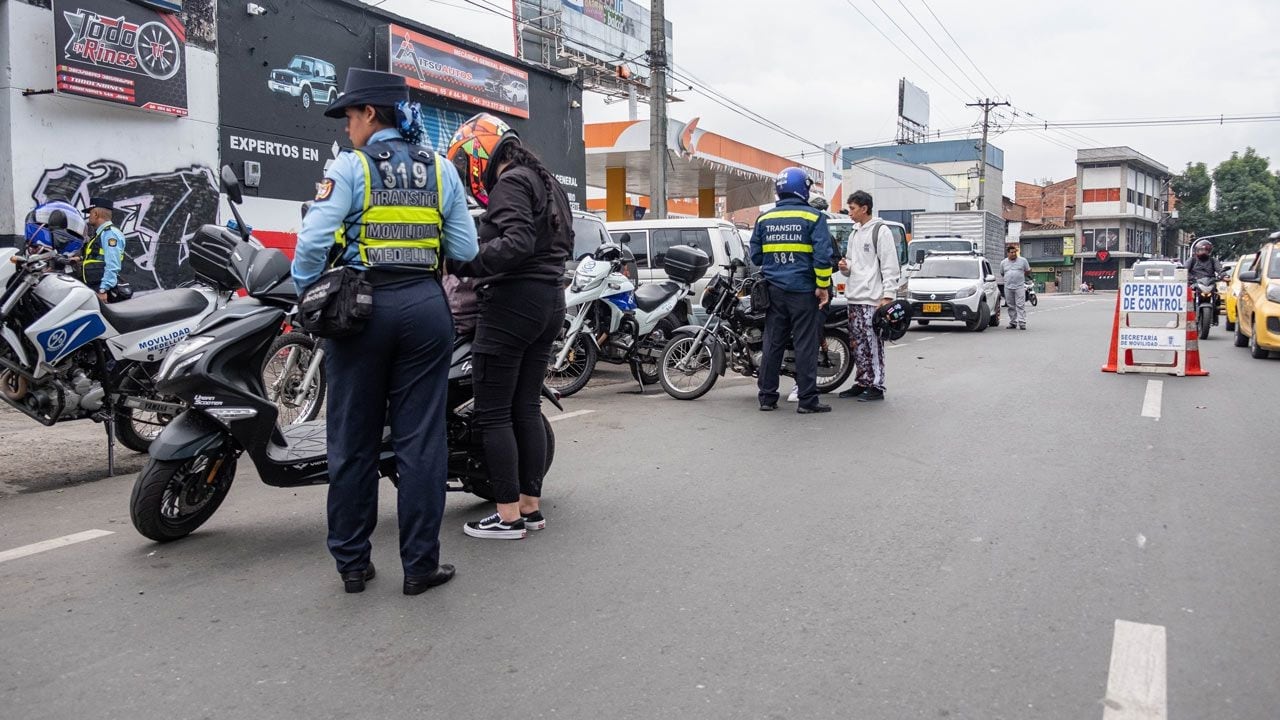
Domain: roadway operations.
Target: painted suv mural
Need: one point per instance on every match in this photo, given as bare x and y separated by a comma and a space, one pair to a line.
309, 79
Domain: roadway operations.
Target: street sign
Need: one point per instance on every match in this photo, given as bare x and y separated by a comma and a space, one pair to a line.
1153, 296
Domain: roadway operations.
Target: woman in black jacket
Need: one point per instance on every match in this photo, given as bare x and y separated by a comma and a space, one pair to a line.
526, 235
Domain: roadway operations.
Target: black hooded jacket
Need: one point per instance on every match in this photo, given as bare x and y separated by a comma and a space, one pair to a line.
520, 238
1208, 268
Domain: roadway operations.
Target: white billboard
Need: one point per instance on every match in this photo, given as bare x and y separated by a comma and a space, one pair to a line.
913, 103
613, 31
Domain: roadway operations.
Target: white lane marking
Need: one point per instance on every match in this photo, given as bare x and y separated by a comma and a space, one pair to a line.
566, 416
1136, 681
1151, 401
53, 544
926, 338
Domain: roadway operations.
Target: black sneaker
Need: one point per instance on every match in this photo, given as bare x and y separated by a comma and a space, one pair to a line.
766, 407
852, 392
1010, 326
534, 520
1022, 327
493, 528
871, 395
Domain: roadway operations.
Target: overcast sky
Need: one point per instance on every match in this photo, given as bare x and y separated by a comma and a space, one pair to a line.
818, 68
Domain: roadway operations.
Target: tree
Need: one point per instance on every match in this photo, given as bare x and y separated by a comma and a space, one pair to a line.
1248, 196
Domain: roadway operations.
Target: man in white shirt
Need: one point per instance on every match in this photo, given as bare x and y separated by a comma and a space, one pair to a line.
871, 265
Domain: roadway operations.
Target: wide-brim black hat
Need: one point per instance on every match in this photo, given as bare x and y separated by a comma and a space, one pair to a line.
369, 87
101, 202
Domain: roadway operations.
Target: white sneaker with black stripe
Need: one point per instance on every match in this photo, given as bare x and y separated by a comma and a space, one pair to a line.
494, 528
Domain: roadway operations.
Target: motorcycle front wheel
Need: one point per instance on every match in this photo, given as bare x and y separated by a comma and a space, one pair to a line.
686, 372
578, 365
1204, 322
283, 373
835, 361
171, 498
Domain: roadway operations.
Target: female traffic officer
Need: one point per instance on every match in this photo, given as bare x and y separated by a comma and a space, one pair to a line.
526, 235
388, 208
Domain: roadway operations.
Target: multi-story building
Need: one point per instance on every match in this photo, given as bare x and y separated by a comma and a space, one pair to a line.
1047, 235
1119, 206
956, 161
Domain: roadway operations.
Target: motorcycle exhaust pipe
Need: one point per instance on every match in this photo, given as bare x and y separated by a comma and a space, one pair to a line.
13, 386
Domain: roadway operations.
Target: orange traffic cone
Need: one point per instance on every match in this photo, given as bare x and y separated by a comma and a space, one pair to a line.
1193, 338
1112, 355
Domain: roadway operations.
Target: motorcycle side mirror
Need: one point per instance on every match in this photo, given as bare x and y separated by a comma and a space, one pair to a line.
231, 184
919, 256
626, 238
989, 278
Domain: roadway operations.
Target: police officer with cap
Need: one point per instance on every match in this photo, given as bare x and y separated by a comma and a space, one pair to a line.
793, 247
104, 251
389, 208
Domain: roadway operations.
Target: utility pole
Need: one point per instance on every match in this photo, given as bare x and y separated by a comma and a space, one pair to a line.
657, 111
987, 105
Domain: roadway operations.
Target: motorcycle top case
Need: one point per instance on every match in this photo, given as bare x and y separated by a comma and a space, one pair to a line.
685, 264
211, 249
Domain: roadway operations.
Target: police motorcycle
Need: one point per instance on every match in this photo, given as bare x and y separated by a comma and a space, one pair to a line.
609, 319
732, 338
216, 372
67, 356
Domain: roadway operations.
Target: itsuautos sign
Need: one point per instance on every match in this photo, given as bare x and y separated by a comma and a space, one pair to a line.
122, 53
453, 72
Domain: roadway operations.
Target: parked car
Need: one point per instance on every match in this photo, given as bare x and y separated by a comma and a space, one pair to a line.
310, 79
1258, 308
955, 286
648, 241
1231, 297
515, 91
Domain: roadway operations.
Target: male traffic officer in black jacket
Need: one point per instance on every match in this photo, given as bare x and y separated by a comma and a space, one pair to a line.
792, 245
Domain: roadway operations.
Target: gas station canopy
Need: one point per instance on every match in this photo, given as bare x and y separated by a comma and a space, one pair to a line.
702, 166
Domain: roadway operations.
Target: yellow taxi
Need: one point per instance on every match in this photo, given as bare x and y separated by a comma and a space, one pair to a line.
1258, 309
1231, 294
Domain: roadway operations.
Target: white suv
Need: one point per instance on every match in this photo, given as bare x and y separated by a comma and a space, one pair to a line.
955, 286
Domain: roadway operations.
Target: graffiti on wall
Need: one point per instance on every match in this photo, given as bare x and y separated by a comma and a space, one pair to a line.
158, 213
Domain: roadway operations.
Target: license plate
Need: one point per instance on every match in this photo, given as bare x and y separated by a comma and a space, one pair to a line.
933, 307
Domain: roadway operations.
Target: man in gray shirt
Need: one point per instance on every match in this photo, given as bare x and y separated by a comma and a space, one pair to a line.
1015, 270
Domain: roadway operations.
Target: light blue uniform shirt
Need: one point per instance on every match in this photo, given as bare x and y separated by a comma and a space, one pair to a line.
112, 254
346, 199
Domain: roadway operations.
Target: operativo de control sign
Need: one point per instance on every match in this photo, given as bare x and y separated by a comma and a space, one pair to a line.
1153, 297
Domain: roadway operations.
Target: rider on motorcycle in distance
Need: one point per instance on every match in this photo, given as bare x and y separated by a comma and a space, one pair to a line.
1203, 266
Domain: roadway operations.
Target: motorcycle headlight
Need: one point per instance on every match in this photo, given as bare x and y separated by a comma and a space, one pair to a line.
965, 292
184, 355
1273, 293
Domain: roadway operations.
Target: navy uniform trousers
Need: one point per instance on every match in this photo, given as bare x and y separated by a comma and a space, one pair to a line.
395, 370
795, 316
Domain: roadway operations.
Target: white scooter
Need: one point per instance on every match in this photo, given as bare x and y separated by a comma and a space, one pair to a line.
608, 318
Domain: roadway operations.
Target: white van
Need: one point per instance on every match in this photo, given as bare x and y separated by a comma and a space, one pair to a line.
648, 241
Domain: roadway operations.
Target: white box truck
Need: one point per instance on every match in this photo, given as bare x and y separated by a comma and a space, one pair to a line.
984, 230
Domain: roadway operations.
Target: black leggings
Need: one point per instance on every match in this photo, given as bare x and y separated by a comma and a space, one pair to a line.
519, 321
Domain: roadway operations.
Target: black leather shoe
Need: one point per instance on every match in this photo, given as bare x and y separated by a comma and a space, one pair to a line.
852, 392
353, 582
871, 395
418, 585
819, 408
766, 407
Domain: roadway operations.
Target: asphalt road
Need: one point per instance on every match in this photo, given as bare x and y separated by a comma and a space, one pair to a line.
962, 550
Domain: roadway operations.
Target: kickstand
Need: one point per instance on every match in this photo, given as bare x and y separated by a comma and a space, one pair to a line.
111, 445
